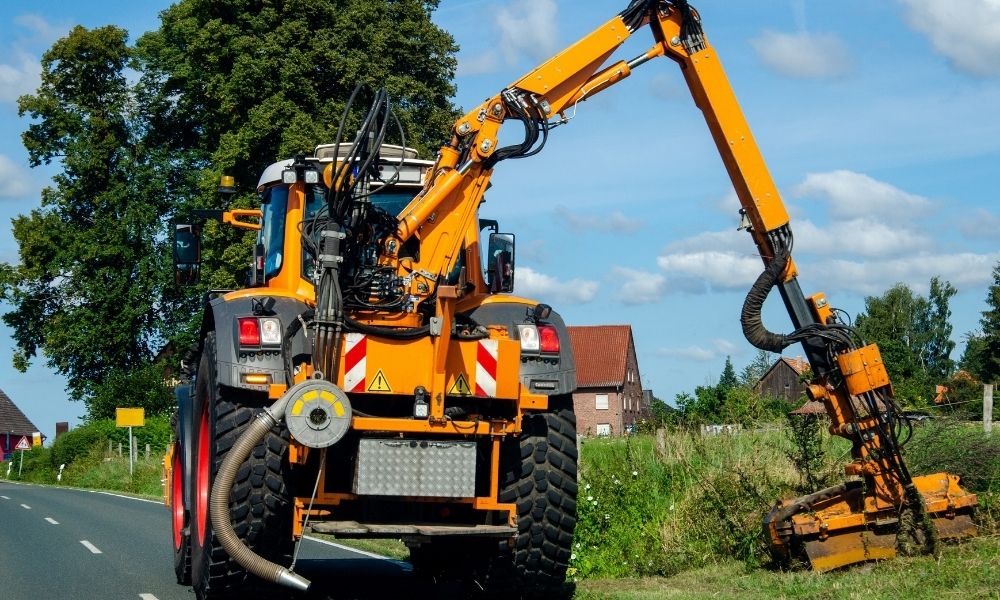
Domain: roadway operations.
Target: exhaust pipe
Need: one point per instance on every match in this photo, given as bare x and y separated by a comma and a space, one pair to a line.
219, 502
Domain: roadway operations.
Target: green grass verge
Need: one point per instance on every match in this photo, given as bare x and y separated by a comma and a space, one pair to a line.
967, 571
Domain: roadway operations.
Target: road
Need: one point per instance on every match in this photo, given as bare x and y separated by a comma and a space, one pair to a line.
65, 543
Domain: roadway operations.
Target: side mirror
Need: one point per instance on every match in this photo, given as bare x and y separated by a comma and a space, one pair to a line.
187, 254
500, 263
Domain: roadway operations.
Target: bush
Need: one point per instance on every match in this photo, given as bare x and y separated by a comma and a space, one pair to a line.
958, 448
36, 468
80, 441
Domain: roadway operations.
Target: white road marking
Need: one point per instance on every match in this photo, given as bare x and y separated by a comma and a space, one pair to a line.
128, 497
26, 506
356, 551
5, 497
148, 597
51, 520
91, 547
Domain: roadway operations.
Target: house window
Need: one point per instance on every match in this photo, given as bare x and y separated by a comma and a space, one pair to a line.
601, 401
604, 429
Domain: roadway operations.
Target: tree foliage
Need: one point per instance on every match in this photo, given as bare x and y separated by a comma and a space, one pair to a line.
92, 264
982, 349
223, 86
914, 336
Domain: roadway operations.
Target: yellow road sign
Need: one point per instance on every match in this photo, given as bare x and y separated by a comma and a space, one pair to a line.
130, 417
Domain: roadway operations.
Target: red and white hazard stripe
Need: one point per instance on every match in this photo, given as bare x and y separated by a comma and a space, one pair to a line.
486, 369
355, 362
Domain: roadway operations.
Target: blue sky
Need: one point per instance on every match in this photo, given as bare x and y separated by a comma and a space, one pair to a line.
878, 119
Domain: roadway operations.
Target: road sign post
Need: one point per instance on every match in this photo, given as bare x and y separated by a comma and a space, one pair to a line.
130, 417
22, 445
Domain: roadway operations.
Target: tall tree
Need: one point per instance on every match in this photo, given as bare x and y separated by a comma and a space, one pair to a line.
85, 291
936, 325
914, 336
988, 348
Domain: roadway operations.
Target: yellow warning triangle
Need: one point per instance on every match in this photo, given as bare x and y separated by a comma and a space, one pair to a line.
380, 383
461, 387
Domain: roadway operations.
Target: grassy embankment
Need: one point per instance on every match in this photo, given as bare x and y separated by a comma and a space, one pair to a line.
90, 464
682, 518
677, 517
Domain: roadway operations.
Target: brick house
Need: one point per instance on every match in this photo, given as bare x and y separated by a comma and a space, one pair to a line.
609, 399
783, 379
13, 425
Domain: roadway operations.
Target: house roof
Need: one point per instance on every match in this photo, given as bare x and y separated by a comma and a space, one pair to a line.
799, 365
601, 354
12, 419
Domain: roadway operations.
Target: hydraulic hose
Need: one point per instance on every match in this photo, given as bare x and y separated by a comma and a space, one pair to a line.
750, 316
219, 502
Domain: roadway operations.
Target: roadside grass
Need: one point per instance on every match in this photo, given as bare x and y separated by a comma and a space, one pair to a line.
969, 570
680, 502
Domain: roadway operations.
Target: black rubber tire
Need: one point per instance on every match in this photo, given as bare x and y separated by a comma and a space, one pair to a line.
539, 476
260, 503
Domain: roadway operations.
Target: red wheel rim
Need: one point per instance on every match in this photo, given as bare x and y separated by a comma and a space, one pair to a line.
177, 498
204, 474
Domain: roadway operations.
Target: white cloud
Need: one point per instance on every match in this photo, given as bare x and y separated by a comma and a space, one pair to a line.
963, 270
43, 31
527, 27
981, 224
20, 76
532, 284
719, 349
616, 222
477, 65
638, 287
14, 180
967, 32
855, 195
803, 55
719, 270
867, 237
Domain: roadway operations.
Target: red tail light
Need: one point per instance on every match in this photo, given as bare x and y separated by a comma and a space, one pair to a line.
548, 339
249, 331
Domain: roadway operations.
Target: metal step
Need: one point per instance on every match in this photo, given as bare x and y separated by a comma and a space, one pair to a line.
354, 529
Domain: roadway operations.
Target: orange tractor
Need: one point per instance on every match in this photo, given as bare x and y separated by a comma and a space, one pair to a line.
377, 379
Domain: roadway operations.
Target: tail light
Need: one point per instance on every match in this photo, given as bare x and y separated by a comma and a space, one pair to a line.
548, 339
249, 331
538, 339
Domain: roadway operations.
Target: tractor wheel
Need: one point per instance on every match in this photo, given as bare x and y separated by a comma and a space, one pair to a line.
538, 474
179, 518
260, 502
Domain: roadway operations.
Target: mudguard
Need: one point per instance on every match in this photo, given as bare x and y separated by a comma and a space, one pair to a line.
541, 375
221, 315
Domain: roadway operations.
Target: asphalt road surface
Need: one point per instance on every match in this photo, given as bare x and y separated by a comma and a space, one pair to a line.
65, 543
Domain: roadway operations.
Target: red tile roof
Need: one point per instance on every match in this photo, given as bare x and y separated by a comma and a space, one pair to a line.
601, 354
12, 419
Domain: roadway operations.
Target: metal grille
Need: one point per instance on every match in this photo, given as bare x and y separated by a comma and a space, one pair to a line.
444, 469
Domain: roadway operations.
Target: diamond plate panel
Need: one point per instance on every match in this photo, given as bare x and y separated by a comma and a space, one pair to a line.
442, 469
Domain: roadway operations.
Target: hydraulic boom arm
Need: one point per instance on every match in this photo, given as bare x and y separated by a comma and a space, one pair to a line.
834, 527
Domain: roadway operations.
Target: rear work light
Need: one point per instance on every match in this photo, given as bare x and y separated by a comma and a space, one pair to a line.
270, 332
528, 335
249, 331
548, 339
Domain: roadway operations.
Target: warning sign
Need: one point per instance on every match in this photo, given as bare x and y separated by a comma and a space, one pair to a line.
461, 387
380, 383
24, 444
